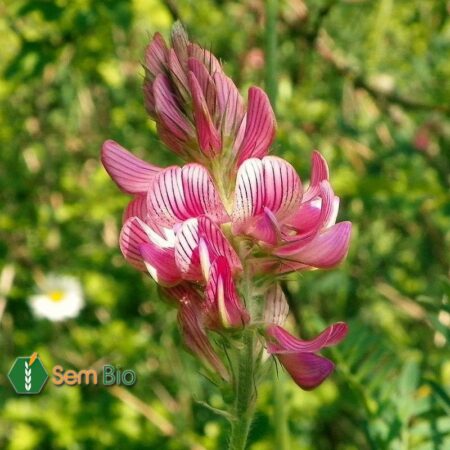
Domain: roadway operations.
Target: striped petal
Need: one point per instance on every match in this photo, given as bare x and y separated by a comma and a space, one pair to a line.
156, 55
230, 108
260, 127
136, 208
198, 243
284, 342
205, 82
178, 75
179, 194
168, 109
326, 250
306, 369
211, 63
208, 137
225, 309
268, 184
319, 173
276, 307
134, 234
131, 174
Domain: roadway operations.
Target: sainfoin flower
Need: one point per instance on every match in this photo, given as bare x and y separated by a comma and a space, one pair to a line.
218, 232
60, 298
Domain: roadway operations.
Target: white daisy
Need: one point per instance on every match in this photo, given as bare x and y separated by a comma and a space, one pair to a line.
61, 298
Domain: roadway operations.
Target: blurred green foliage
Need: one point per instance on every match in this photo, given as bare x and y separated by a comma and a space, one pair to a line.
364, 81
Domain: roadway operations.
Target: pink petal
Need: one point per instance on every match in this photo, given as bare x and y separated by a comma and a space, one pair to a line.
249, 193
326, 250
267, 184
230, 109
217, 243
225, 308
130, 173
132, 236
168, 109
196, 339
160, 263
178, 75
187, 255
205, 82
283, 188
136, 208
264, 228
156, 55
179, 194
188, 251
276, 308
206, 57
209, 138
319, 172
286, 343
312, 217
306, 369
260, 127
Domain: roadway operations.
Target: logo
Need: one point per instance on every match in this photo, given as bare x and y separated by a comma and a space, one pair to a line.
28, 375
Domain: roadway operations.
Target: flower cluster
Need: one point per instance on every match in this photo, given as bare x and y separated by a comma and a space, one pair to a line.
217, 232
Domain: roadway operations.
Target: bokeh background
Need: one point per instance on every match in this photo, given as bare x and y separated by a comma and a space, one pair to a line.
364, 81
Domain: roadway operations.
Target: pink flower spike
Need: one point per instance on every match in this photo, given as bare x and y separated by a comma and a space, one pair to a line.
260, 127
208, 137
224, 306
196, 339
326, 250
131, 174
179, 194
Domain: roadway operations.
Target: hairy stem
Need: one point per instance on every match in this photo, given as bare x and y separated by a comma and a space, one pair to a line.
244, 404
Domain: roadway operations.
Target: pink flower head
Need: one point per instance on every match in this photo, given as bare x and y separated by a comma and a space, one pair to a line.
298, 357
232, 214
198, 110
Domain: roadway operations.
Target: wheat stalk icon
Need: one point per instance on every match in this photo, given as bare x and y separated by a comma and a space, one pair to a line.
28, 370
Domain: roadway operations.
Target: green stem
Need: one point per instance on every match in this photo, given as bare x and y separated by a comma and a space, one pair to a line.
245, 394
